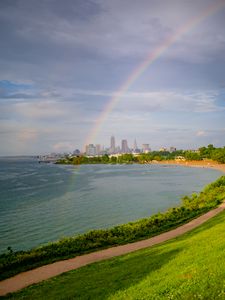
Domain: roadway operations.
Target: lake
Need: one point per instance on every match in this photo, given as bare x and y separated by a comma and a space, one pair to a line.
45, 202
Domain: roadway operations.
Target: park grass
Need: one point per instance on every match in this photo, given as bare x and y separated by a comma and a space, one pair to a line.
191, 266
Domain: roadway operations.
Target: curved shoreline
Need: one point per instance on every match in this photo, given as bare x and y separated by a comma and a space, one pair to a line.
194, 164
37, 275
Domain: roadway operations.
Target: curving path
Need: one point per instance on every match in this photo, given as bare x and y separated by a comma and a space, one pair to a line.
42, 273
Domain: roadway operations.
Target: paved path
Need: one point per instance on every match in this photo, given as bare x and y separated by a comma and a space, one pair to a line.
42, 273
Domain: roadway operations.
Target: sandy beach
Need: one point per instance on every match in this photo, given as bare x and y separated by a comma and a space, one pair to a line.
197, 164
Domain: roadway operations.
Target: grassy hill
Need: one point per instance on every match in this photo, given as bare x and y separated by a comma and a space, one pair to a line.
189, 267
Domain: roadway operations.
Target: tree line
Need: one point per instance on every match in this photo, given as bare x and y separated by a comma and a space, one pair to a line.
209, 152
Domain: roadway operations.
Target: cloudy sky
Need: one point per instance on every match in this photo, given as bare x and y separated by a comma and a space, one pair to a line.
61, 63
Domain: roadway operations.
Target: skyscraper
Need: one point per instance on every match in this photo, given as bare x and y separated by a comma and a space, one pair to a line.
135, 149
90, 150
124, 146
112, 145
135, 145
98, 149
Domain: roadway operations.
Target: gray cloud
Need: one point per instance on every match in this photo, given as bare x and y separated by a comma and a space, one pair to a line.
55, 45
76, 54
111, 29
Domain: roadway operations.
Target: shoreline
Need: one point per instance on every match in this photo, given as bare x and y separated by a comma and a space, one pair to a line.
209, 164
39, 274
36, 275
193, 164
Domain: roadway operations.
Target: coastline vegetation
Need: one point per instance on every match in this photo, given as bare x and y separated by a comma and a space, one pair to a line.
210, 152
192, 206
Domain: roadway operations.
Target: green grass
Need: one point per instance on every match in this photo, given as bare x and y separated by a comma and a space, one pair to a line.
189, 267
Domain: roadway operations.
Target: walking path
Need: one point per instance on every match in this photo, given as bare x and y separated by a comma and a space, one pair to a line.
42, 273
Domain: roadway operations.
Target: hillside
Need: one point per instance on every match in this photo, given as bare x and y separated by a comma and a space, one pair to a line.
189, 267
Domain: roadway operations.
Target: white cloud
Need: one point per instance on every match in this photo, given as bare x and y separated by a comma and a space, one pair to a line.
166, 100
171, 101
201, 133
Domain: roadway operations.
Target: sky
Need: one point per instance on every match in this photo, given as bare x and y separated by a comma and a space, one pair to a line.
62, 63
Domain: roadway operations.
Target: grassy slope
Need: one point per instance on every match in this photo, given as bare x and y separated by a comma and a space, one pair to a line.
189, 267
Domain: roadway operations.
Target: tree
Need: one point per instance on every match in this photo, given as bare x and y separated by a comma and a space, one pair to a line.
113, 159
190, 155
219, 155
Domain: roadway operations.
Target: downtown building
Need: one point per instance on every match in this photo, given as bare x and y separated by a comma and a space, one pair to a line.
112, 149
90, 150
124, 147
93, 150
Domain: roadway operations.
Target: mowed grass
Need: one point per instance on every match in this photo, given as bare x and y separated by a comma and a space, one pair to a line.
189, 267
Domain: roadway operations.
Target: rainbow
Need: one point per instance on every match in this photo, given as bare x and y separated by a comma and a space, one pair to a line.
149, 60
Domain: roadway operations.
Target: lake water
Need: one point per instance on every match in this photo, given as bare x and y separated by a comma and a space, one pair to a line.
44, 202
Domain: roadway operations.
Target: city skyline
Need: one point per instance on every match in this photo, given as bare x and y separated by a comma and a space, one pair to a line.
76, 73
121, 147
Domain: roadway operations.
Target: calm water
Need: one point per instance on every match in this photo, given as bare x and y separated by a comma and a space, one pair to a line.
42, 202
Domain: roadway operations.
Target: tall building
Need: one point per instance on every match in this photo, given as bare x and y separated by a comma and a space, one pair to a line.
98, 149
112, 145
124, 146
90, 150
135, 149
135, 145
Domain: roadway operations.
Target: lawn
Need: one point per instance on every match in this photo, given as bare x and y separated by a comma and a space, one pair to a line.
189, 267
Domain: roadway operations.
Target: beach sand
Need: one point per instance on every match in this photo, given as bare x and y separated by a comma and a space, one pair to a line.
197, 164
